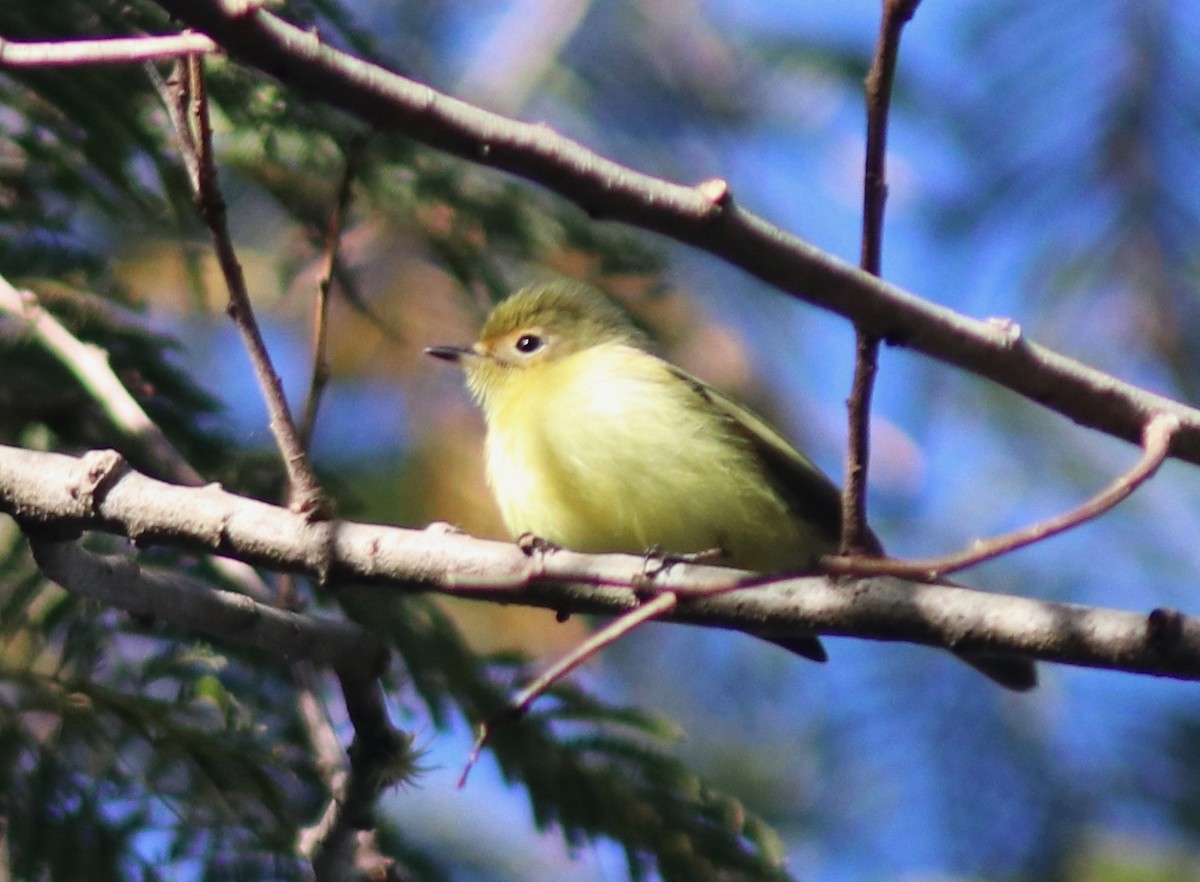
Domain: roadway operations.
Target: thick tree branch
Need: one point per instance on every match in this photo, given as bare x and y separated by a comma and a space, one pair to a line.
95, 493
704, 216
197, 608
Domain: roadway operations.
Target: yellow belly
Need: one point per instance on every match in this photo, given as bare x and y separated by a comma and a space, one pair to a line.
607, 450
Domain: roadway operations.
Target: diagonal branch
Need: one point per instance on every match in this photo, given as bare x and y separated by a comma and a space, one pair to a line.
186, 100
703, 216
606, 636
90, 366
95, 493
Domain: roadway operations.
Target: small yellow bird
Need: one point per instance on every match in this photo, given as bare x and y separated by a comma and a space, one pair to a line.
596, 445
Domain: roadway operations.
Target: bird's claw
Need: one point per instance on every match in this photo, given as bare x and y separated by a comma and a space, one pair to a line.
658, 561
532, 544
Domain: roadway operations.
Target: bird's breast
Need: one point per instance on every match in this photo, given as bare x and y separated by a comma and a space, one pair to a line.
607, 450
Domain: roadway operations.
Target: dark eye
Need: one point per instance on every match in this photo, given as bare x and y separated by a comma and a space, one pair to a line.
528, 343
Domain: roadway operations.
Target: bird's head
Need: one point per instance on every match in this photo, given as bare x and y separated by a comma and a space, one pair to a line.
534, 328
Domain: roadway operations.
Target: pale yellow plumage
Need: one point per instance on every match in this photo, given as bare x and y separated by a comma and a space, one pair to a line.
597, 445
601, 479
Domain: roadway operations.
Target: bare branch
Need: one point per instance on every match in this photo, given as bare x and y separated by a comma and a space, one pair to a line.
342, 845
1156, 442
856, 534
118, 50
333, 237
896, 14
198, 608
90, 367
187, 102
93, 493
606, 636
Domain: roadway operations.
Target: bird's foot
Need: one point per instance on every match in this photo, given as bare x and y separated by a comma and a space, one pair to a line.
532, 544
658, 561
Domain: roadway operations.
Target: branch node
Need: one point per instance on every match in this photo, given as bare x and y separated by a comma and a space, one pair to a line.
320, 555
240, 8
1008, 330
1164, 628
716, 192
1159, 432
99, 470
536, 548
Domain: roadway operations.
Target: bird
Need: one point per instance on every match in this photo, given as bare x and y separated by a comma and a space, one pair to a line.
596, 444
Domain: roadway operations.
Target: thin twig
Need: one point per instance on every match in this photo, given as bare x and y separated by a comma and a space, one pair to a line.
607, 635
173, 92
856, 533
118, 50
195, 135
855, 530
1156, 446
341, 844
320, 329
881, 76
90, 366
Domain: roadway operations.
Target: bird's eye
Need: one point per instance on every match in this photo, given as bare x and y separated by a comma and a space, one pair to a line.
528, 343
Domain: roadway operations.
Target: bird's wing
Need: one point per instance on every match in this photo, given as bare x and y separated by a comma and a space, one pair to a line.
813, 497
809, 494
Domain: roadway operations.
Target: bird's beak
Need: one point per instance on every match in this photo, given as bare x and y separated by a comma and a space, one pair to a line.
449, 353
